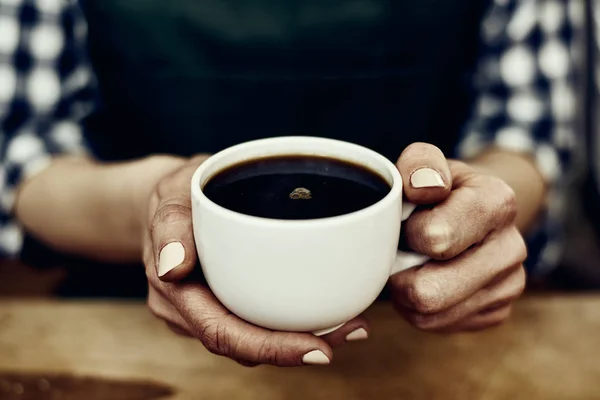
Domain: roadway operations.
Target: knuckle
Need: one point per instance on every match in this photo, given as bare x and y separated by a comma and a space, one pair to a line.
268, 352
437, 238
214, 337
507, 200
510, 248
170, 213
500, 203
425, 296
516, 247
476, 206
520, 246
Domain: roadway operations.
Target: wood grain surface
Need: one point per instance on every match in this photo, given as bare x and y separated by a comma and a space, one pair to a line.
115, 350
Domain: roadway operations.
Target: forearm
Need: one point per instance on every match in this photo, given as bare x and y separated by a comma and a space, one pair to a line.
521, 174
82, 207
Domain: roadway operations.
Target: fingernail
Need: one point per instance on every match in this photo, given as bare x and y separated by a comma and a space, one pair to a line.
359, 334
426, 177
316, 357
170, 257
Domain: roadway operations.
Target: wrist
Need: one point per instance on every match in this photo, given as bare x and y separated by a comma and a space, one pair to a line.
521, 173
495, 161
137, 179
83, 207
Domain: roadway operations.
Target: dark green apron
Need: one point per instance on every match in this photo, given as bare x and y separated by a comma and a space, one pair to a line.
190, 76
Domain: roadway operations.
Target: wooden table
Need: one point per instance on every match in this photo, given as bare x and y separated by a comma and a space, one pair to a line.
550, 350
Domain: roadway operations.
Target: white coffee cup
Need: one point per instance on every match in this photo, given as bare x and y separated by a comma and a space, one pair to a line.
300, 275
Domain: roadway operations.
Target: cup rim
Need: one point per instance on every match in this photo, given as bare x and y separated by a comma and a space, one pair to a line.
394, 194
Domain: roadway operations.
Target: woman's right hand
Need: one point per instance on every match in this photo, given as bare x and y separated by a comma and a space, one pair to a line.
189, 308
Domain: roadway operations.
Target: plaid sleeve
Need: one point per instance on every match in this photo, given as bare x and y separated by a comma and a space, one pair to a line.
46, 89
525, 102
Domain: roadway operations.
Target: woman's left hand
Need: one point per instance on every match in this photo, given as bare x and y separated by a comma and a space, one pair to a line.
468, 229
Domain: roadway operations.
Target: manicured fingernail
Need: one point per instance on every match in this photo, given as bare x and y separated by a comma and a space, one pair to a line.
426, 177
316, 357
170, 257
359, 334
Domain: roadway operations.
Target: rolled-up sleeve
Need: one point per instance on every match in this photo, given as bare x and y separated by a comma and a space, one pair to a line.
525, 102
47, 89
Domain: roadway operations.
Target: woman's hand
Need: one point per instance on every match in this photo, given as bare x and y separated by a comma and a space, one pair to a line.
189, 308
468, 229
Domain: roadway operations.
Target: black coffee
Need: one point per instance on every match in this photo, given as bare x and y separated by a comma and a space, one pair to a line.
296, 187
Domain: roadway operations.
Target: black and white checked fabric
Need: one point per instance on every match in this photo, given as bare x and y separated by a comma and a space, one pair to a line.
46, 88
525, 98
526, 101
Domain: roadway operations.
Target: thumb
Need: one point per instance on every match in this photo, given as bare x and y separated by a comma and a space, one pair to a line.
171, 228
173, 241
425, 174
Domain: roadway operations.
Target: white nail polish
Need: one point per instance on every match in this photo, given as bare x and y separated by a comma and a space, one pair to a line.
315, 357
170, 257
359, 334
426, 177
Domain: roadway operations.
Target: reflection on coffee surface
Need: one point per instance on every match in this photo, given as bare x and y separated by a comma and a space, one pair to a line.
296, 187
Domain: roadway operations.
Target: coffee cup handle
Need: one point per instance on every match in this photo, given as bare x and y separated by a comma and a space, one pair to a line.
406, 260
